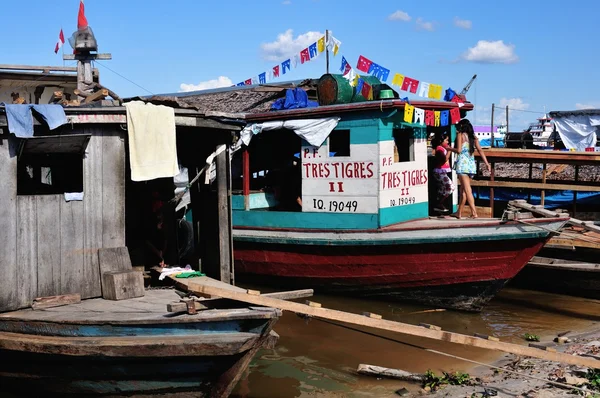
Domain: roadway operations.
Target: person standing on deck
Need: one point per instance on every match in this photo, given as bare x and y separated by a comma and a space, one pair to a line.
442, 155
466, 169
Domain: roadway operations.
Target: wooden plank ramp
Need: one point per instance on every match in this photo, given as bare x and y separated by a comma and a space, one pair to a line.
392, 326
522, 204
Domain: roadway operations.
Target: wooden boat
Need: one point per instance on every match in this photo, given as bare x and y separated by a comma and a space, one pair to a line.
571, 277
129, 347
363, 226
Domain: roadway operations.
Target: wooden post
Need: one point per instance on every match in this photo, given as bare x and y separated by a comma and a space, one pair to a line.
575, 192
327, 49
223, 216
230, 213
506, 123
492, 127
492, 189
530, 178
246, 178
543, 194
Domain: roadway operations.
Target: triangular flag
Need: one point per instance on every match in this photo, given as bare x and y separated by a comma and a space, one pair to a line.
285, 66
262, 78
248, 82
82, 22
321, 44
60, 42
354, 82
276, 71
295, 61
359, 85
408, 113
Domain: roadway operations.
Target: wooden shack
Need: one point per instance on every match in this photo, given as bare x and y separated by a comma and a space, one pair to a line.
51, 243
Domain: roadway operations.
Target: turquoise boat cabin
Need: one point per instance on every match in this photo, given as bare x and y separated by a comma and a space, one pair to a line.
356, 165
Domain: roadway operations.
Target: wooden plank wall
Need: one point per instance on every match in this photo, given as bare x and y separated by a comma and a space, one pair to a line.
49, 246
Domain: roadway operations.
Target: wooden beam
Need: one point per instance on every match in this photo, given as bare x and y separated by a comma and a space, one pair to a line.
223, 217
73, 57
98, 95
535, 185
211, 303
41, 303
398, 327
380, 371
39, 68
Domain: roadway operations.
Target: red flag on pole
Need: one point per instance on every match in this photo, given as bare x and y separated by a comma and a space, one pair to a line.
60, 42
82, 22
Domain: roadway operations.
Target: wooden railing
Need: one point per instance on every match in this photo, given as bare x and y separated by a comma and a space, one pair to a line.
558, 161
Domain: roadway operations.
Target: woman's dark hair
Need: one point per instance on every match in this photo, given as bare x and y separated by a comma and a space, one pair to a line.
465, 126
437, 139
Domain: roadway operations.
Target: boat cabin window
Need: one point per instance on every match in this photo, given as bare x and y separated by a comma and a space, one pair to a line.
275, 171
339, 143
404, 144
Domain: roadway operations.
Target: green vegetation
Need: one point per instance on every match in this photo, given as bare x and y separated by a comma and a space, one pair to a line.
531, 337
436, 382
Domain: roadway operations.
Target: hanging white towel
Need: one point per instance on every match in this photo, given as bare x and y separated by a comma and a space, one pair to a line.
152, 142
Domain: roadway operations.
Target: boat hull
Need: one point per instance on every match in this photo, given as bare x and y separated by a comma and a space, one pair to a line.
568, 278
129, 348
450, 268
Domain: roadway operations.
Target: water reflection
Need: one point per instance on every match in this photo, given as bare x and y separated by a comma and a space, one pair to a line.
315, 359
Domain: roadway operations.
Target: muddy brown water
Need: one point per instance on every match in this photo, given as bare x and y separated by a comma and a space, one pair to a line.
318, 359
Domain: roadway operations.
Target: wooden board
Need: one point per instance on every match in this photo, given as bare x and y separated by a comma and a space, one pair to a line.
392, 326
92, 208
27, 264
8, 229
113, 195
114, 259
210, 303
122, 285
55, 301
48, 253
71, 246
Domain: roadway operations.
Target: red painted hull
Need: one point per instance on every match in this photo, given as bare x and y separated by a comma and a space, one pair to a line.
462, 275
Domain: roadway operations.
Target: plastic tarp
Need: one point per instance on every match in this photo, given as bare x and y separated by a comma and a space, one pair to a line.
313, 131
577, 131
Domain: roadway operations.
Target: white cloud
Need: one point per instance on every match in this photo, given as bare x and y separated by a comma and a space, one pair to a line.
421, 24
285, 46
399, 16
514, 103
286, 2
590, 105
221, 81
491, 52
463, 23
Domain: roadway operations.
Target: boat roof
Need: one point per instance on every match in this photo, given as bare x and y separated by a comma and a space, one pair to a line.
253, 103
579, 112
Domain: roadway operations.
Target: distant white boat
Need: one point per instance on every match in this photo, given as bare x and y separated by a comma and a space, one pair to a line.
485, 135
541, 131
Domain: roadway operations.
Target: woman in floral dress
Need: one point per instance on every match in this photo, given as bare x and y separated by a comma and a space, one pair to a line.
466, 169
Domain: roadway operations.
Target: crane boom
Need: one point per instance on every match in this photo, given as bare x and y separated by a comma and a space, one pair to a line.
468, 86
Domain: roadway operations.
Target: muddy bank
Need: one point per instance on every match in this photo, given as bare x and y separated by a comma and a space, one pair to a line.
505, 383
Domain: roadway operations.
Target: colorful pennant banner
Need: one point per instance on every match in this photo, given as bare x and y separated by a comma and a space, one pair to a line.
308, 54
430, 118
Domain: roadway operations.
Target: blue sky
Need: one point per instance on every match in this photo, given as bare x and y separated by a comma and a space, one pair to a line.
527, 54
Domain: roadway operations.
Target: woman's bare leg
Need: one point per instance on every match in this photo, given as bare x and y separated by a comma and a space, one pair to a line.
463, 194
469, 196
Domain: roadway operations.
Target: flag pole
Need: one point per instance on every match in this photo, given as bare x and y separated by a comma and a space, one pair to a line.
63, 50
327, 48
